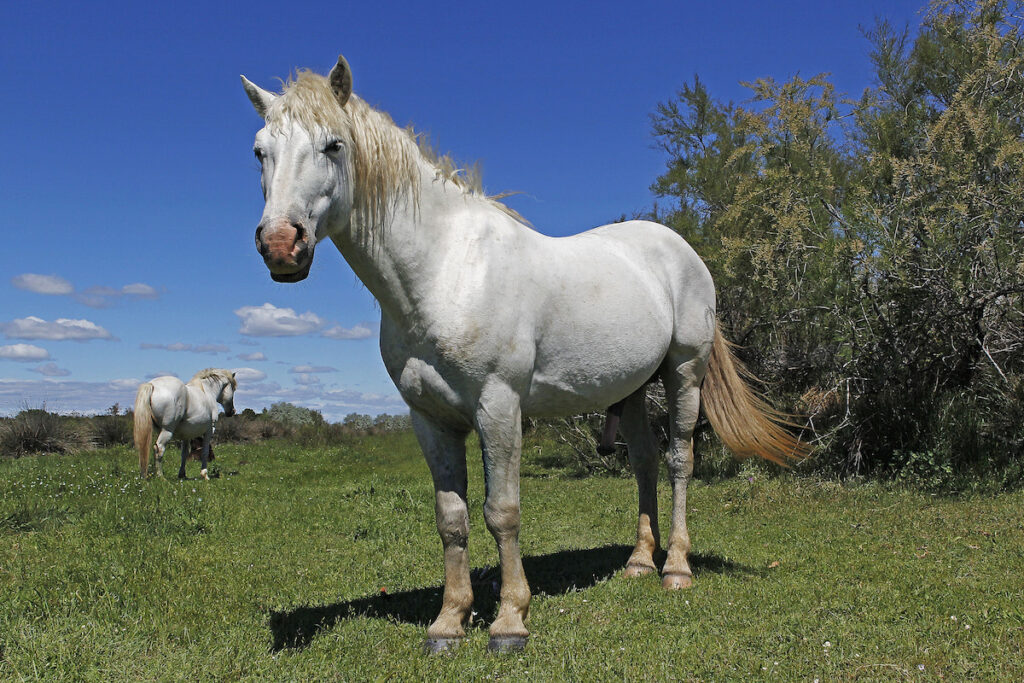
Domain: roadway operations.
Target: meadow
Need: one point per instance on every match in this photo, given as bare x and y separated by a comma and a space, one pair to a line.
323, 563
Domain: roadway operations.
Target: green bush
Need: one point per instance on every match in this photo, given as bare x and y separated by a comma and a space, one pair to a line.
35, 430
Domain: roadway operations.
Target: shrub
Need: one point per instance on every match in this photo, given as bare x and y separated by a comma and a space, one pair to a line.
111, 430
35, 430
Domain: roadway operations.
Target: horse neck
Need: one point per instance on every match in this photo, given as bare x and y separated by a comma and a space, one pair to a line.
209, 386
398, 264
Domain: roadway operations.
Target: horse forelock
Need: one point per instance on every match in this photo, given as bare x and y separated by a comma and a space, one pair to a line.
384, 156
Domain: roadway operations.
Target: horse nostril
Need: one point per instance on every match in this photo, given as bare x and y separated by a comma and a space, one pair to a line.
300, 233
261, 246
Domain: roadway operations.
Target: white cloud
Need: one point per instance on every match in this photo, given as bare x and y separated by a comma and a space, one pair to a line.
360, 331
104, 297
249, 374
26, 353
60, 329
95, 297
140, 290
270, 321
51, 370
42, 284
308, 369
181, 346
255, 355
307, 380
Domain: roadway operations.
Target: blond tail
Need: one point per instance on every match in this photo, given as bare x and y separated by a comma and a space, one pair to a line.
143, 426
741, 417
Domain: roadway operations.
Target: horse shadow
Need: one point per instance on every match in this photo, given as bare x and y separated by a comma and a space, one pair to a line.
553, 574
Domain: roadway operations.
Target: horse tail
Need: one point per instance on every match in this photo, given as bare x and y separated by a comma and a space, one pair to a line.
741, 417
143, 426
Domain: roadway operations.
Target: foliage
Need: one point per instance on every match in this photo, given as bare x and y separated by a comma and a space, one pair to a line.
293, 416
36, 430
112, 429
868, 255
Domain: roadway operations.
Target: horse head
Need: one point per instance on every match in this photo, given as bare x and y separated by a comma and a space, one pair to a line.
227, 395
306, 168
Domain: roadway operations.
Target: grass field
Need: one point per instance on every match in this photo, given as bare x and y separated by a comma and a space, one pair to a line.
305, 564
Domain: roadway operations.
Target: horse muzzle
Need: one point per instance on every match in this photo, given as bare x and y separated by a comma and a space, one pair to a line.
286, 248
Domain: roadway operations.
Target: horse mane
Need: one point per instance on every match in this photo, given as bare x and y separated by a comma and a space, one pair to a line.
383, 155
216, 373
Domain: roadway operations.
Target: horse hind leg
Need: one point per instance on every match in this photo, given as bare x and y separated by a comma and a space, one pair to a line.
682, 379
161, 445
642, 449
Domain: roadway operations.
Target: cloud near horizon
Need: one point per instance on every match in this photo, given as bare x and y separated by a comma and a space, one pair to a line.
61, 329
52, 285
270, 321
51, 370
360, 331
312, 369
249, 375
24, 353
181, 346
95, 297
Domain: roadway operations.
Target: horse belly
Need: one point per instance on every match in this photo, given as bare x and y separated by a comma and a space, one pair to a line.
589, 364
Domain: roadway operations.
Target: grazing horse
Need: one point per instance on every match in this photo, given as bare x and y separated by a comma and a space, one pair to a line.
181, 411
485, 321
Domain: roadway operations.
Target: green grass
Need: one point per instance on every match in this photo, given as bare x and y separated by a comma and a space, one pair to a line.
304, 564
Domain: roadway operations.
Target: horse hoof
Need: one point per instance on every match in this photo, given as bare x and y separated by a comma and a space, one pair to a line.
438, 646
672, 582
633, 570
503, 644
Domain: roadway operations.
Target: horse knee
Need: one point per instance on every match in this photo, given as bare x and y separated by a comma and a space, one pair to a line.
502, 518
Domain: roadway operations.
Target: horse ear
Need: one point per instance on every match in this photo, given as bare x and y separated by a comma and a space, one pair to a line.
341, 80
259, 97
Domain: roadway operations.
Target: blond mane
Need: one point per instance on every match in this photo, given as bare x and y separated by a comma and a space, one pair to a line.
216, 373
383, 155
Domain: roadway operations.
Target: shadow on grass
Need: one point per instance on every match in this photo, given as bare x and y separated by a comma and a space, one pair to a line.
554, 574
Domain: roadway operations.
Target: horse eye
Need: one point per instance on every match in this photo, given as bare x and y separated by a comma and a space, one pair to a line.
259, 154
332, 147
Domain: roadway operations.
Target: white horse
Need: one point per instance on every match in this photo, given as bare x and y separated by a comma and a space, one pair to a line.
484, 321
181, 411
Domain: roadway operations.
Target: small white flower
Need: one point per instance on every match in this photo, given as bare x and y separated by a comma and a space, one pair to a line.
921, 667
828, 643
967, 626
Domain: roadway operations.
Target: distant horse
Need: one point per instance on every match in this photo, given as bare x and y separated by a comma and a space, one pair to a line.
484, 320
181, 411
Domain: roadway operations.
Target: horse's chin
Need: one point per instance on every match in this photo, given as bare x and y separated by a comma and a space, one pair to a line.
297, 276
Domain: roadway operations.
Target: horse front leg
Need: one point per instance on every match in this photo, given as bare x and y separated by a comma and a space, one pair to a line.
445, 452
204, 456
499, 423
186, 450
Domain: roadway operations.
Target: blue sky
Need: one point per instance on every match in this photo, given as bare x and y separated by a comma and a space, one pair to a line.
129, 193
